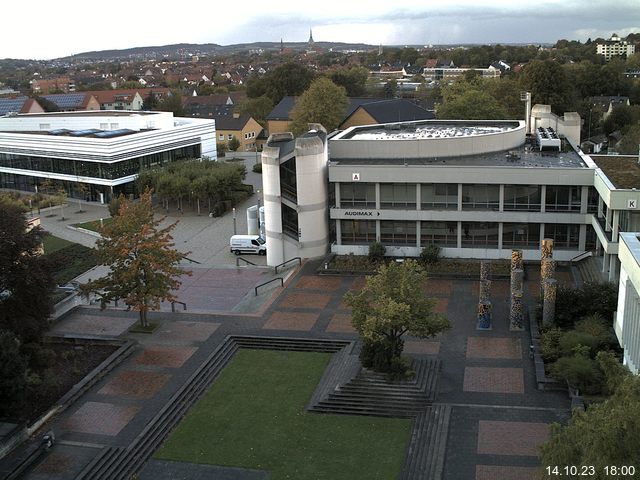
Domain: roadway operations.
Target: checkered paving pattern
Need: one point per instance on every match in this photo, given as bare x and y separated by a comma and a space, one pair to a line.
340, 322
315, 282
305, 300
301, 321
159, 356
184, 332
498, 289
511, 438
490, 347
422, 347
493, 380
135, 385
495, 472
358, 284
101, 418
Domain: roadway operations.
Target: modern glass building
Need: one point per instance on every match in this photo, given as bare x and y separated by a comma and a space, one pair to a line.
102, 149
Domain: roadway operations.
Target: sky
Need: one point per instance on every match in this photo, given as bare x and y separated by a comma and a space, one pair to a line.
44, 30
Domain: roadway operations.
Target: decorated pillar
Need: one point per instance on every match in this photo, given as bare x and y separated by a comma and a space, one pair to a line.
484, 315
547, 272
550, 289
517, 281
546, 248
516, 312
485, 291
485, 270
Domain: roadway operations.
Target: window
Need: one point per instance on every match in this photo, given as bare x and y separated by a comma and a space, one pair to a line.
230, 136
564, 236
398, 195
443, 234
480, 197
398, 232
358, 232
522, 197
357, 195
479, 235
289, 222
221, 136
563, 198
104, 126
521, 235
592, 200
439, 196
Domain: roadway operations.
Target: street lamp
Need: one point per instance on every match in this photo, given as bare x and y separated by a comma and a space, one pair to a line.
235, 232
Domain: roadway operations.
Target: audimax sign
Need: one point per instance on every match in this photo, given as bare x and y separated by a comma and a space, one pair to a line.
361, 213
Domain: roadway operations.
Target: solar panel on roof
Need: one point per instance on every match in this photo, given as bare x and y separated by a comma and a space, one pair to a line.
11, 104
66, 100
59, 131
114, 133
82, 133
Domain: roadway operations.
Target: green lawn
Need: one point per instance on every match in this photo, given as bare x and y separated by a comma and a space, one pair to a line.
53, 244
67, 259
253, 417
94, 225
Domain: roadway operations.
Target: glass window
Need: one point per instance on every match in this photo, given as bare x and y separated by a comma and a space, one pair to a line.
439, 196
564, 236
288, 180
398, 195
398, 232
289, 221
358, 232
563, 198
592, 200
522, 197
443, 234
480, 197
479, 234
357, 195
521, 235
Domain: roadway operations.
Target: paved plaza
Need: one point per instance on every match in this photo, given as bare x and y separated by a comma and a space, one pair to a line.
499, 418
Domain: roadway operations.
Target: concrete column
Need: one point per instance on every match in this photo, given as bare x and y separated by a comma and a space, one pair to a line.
582, 238
418, 233
500, 233
338, 231
459, 197
607, 227
600, 207
459, 234
338, 199
377, 230
501, 197
418, 197
584, 200
378, 199
543, 200
516, 259
549, 301
517, 281
613, 269
516, 312
615, 225
485, 291
484, 316
605, 262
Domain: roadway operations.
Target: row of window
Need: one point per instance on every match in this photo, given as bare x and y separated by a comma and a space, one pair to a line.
108, 171
247, 136
444, 196
473, 234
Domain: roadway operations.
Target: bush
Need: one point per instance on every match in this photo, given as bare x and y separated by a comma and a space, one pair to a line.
550, 344
572, 339
385, 357
257, 168
13, 368
430, 254
580, 372
114, 206
377, 251
573, 304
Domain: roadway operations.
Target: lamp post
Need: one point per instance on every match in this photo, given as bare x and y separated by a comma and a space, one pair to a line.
234, 221
258, 191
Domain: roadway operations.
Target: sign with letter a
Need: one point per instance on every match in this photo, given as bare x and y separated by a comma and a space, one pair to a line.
355, 177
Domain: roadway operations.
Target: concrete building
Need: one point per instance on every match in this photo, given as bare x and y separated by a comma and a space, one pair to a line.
103, 149
627, 317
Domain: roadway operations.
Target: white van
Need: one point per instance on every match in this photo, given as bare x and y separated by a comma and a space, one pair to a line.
248, 244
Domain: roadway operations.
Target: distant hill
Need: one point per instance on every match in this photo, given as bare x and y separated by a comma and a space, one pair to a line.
182, 49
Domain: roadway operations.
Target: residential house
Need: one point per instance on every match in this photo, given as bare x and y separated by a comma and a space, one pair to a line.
19, 105
73, 102
44, 86
607, 103
242, 127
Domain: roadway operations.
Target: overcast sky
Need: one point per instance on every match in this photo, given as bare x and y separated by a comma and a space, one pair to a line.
43, 29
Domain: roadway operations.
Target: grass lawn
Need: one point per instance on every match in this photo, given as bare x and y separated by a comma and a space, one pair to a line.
53, 244
253, 417
67, 259
94, 225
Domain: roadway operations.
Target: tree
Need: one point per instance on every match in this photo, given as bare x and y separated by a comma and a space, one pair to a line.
287, 79
13, 370
354, 80
150, 102
324, 102
83, 190
605, 434
25, 280
233, 144
142, 256
257, 108
471, 105
548, 84
221, 148
630, 142
171, 103
391, 304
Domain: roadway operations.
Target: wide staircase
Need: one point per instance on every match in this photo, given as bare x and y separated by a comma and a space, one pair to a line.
590, 269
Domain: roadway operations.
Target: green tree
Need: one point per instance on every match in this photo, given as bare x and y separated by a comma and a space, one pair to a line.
548, 84
324, 102
257, 108
171, 103
233, 144
287, 79
353, 79
150, 102
471, 105
630, 142
605, 434
391, 304
143, 261
221, 148
13, 370
25, 280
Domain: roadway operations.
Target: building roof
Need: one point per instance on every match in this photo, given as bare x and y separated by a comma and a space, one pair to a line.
69, 100
623, 172
396, 110
17, 104
229, 122
283, 109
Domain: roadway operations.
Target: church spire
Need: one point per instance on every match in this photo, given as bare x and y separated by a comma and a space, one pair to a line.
311, 37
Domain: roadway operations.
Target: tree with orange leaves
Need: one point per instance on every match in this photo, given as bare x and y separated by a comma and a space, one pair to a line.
144, 262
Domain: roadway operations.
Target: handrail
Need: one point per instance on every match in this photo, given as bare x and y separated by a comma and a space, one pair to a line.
290, 260
191, 260
266, 283
581, 256
244, 260
173, 305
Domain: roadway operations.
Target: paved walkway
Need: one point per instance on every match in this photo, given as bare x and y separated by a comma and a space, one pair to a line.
499, 417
